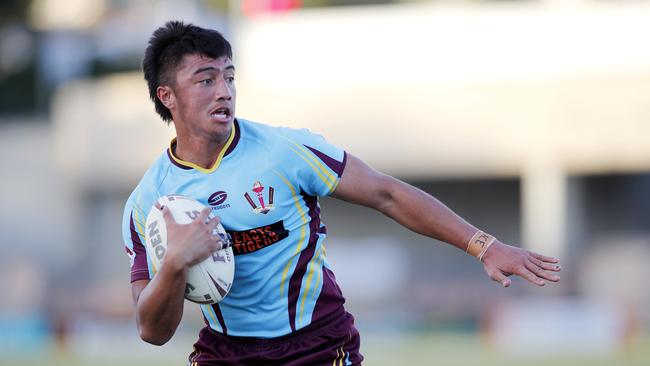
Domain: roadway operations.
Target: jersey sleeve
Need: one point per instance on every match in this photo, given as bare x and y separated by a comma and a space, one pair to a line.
133, 226
316, 164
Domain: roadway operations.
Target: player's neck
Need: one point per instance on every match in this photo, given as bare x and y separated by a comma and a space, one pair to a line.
199, 150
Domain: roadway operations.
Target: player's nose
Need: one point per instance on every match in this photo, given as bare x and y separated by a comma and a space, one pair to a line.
223, 91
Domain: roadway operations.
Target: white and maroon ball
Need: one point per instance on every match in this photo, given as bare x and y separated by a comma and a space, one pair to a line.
209, 281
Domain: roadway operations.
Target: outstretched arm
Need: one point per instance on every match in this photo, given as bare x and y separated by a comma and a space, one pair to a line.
424, 214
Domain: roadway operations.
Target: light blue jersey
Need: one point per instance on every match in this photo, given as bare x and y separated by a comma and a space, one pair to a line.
265, 187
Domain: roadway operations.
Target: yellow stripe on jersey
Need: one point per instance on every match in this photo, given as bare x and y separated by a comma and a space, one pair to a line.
141, 231
216, 163
141, 211
303, 229
319, 163
213, 316
308, 284
329, 179
139, 228
338, 361
337, 357
319, 266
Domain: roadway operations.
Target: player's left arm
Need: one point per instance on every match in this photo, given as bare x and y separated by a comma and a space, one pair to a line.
424, 214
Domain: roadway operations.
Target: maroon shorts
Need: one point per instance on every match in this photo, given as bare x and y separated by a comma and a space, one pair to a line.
332, 340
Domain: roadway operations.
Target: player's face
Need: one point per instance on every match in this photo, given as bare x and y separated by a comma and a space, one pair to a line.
204, 96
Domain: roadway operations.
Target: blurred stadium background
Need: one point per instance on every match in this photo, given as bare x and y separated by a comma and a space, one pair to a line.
529, 118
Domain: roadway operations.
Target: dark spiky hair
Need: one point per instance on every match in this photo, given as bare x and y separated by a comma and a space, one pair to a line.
167, 47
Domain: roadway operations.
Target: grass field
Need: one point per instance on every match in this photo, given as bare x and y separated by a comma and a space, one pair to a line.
455, 350
447, 350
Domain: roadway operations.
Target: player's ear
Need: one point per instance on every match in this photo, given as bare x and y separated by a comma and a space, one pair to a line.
166, 96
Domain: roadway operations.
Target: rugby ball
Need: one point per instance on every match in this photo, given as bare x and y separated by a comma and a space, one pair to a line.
209, 281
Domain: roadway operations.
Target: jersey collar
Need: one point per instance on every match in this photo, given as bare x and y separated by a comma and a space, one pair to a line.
232, 141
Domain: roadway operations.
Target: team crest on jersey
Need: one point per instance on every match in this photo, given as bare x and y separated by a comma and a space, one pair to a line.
262, 206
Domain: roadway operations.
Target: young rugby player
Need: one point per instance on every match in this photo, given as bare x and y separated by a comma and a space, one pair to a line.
263, 184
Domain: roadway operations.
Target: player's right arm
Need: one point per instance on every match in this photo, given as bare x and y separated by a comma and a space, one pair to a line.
159, 302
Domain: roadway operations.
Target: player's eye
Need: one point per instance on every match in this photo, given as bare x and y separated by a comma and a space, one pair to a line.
230, 79
206, 81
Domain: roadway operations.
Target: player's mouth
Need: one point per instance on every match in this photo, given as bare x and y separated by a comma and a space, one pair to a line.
221, 114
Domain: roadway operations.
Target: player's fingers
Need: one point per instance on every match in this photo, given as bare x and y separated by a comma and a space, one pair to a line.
498, 276
203, 216
545, 265
220, 238
213, 222
223, 240
544, 258
540, 272
166, 214
226, 241
529, 276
